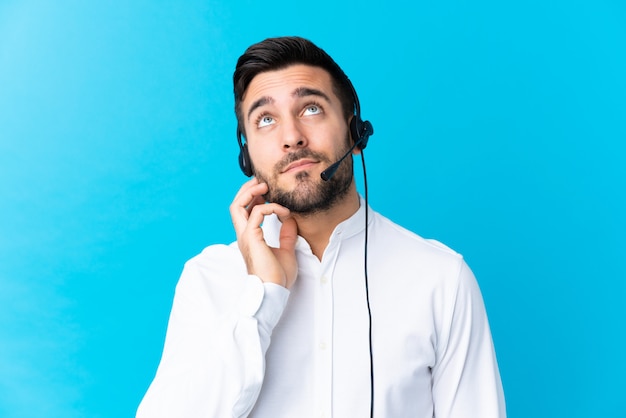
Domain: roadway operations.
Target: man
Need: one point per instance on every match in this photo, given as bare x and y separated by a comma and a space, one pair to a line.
277, 324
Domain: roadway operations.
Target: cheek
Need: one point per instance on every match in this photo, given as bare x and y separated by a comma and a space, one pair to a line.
337, 140
262, 158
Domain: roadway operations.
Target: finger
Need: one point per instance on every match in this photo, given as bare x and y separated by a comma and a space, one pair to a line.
248, 192
259, 213
253, 181
286, 253
257, 200
248, 197
288, 234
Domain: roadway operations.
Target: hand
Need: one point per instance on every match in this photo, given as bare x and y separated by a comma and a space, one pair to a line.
273, 265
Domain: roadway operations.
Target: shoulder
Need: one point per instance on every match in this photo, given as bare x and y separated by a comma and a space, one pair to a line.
419, 276
410, 258
216, 257
218, 272
403, 240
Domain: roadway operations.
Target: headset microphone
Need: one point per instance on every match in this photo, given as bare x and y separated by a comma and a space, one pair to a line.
361, 131
330, 171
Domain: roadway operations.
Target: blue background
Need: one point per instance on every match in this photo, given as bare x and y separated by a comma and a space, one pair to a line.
500, 131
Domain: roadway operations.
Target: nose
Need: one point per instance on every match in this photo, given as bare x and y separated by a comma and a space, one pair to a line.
293, 135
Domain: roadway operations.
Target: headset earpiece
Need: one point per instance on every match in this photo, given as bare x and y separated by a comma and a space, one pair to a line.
245, 163
360, 131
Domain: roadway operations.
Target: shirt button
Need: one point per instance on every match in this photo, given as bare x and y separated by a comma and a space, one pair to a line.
322, 346
324, 280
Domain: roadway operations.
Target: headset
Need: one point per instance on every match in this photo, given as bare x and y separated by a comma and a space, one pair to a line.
360, 132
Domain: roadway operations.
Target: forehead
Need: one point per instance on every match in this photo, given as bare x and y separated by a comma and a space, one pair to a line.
283, 82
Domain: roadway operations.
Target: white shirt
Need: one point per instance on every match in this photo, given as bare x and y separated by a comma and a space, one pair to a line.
236, 347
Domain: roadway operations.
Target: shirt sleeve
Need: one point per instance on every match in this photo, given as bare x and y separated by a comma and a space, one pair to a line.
213, 361
466, 379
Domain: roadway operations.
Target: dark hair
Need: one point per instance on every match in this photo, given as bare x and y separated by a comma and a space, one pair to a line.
278, 53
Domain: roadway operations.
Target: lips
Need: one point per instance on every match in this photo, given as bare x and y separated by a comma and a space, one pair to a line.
304, 162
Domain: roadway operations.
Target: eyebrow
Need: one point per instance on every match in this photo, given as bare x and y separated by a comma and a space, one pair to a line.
299, 92
305, 91
265, 100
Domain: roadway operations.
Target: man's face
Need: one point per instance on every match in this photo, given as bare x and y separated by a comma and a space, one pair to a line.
295, 129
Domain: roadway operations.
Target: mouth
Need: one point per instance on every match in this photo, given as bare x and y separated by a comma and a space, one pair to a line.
302, 164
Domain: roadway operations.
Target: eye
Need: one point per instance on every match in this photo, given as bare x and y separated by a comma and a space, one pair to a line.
312, 109
265, 120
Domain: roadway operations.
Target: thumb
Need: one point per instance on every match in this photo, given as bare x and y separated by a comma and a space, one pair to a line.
288, 235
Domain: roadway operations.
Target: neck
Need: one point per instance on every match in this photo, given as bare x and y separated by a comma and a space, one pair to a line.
316, 228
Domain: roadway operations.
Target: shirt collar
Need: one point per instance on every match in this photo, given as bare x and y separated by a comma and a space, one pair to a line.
351, 226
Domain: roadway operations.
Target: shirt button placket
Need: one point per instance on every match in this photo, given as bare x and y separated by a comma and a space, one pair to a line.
324, 345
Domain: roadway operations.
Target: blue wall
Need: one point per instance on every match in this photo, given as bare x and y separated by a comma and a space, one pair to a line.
500, 130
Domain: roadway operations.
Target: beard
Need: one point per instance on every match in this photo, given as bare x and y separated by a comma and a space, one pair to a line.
311, 194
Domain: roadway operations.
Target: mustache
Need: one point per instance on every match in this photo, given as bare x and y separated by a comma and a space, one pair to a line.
298, 155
